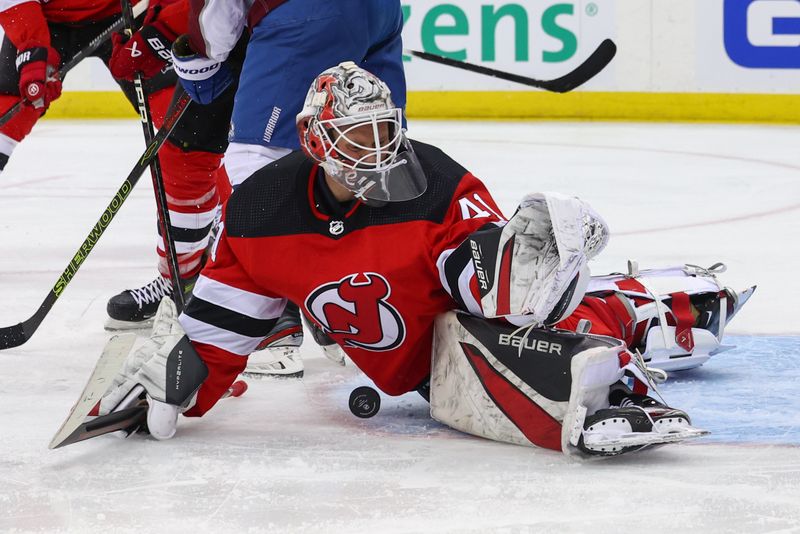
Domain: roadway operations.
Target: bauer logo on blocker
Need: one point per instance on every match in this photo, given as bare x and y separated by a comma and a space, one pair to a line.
763, 34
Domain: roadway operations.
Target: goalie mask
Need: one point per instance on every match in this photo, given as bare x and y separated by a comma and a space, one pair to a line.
350, 125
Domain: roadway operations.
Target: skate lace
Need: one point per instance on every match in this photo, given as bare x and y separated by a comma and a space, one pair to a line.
649, 375
717, 268
152, 292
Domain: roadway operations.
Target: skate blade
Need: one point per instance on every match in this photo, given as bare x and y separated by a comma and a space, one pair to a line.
637, 439
744, 296
115, 325
262, 374
334, 353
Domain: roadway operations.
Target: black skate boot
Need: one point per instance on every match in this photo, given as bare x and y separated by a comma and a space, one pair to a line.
279, 354
664, 418
709, 309
330, 348
604, 431
633, 422
135, 308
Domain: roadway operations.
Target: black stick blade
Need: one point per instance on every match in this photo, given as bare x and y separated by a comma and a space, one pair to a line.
584, 72
128, 420
12, 336
587, 70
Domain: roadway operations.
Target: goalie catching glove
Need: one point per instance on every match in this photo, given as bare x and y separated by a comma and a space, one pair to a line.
165, 371
535, 265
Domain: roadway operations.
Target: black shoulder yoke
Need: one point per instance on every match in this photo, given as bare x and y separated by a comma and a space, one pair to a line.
274, 201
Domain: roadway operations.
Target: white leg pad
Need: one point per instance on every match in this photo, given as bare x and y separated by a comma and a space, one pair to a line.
531, 389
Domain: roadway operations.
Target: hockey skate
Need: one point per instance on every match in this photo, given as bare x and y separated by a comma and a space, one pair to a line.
279, 354
633, 422
330, 348
135, 308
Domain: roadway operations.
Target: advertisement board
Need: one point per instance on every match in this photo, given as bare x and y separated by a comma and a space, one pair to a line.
748, 46
541, 38
677, 60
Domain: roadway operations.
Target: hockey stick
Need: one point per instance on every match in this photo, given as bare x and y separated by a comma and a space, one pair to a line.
128, 421
162, 209
93, 45
75, 427
16, 335
584, 72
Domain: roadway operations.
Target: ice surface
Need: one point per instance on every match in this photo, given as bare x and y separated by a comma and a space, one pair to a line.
289, 457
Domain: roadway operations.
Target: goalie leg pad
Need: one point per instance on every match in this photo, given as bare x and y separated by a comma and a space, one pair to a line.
532, 388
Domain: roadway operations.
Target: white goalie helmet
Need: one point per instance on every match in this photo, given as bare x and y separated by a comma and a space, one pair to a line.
351, 127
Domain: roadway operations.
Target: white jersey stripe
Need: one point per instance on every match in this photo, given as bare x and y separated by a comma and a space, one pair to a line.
464, 278
440, 266
466, 294
238, 300
193, 221
182, 247
218, 337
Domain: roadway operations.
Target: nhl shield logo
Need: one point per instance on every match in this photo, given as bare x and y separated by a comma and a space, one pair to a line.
336, 227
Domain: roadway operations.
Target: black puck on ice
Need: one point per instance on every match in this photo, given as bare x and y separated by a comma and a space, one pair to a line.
364, 402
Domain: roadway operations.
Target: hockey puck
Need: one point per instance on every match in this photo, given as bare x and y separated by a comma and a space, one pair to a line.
364, 402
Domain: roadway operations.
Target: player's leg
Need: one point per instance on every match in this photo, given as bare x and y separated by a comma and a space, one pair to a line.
675, 317
190, 163
538, 386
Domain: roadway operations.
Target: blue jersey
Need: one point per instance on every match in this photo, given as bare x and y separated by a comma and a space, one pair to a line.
296, 41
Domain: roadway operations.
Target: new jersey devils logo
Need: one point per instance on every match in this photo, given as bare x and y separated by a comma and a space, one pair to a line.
355, 312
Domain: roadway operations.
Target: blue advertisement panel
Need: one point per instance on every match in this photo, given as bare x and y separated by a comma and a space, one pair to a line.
763, 34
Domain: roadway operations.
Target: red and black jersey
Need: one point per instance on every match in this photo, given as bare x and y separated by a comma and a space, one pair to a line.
25, 21
374, 278
69, 11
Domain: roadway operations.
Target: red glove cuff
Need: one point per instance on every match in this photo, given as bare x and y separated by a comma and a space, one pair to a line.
25, 25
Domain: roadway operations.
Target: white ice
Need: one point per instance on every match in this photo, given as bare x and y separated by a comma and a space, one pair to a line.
289, 457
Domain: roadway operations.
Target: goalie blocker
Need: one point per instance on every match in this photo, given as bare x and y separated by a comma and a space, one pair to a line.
544, 387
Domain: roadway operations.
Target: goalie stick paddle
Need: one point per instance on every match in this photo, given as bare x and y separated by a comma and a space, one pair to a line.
93, 45
108, 366
584, 72
75, 428
16, 335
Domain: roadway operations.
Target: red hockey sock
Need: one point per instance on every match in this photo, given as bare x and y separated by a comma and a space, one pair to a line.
190, 183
